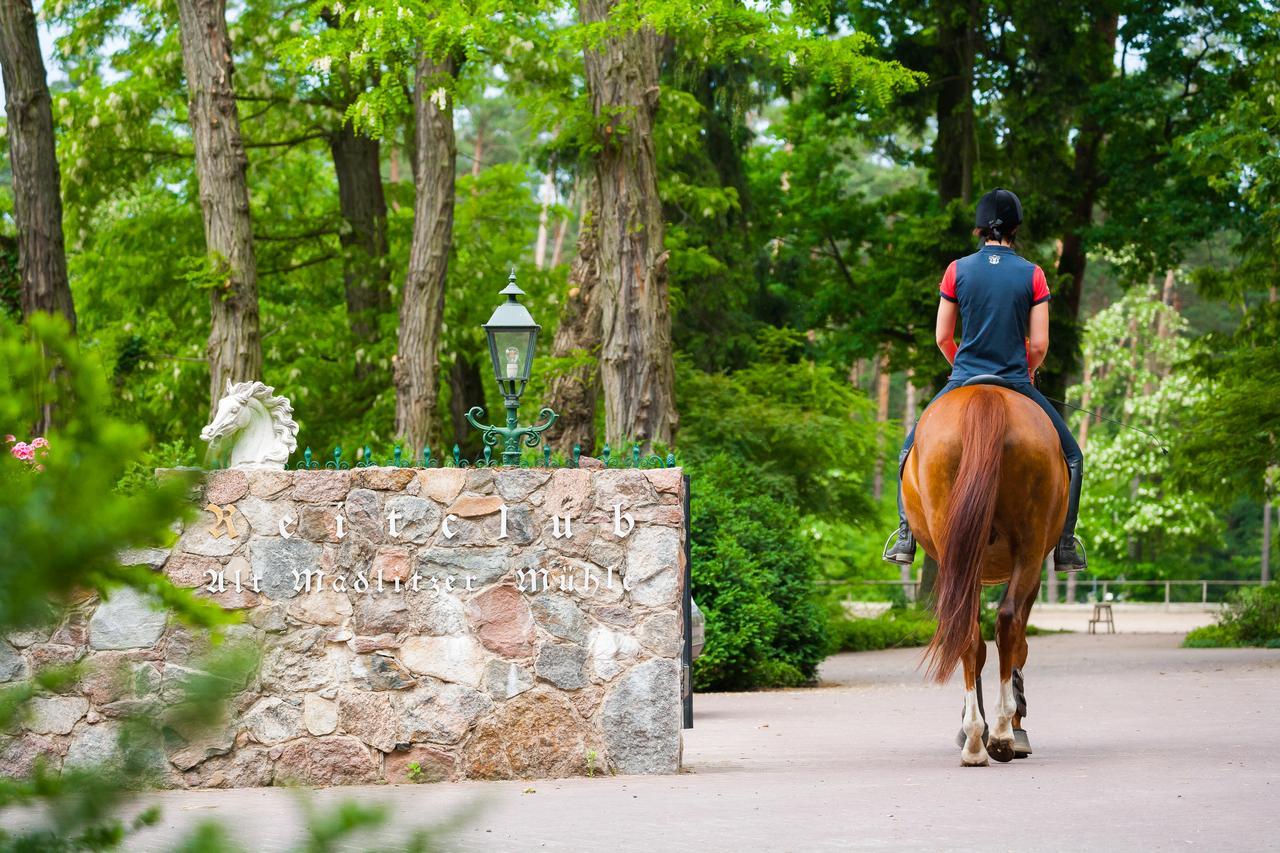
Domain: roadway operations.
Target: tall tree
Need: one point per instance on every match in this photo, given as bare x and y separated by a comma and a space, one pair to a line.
1086, 182
955, 147
575, 393
37, 185
366, 269
235, 345
422, 309
636, 367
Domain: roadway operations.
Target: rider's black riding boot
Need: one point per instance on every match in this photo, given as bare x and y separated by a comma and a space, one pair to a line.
901, 549
1069, 556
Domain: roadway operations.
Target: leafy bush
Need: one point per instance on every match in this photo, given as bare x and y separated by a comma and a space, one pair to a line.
753, 578
896, 628
1208, 637
1251, 617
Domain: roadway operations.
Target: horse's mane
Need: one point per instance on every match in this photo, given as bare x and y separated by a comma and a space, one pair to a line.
280, 409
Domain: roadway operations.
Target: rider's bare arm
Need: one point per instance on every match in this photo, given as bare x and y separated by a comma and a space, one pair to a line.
945, 331
1037, 343
1038, 340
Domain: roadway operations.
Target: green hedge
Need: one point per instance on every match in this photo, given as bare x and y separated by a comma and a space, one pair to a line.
1251, 617
753, 579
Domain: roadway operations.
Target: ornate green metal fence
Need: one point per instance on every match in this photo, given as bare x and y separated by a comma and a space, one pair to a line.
366, 458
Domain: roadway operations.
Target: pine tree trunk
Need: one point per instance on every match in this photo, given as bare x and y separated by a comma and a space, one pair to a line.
575, 393
37, 193
637, 369
366, 273
422, 311
235, 346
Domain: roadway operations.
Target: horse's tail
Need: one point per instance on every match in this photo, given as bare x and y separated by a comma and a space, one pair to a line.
969, 516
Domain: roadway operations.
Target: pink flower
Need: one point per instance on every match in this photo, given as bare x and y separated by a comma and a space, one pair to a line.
8, 439
40, 442
23, 451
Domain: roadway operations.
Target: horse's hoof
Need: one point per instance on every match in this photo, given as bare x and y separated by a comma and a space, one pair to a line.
1021, 743
1000, 750
974, 762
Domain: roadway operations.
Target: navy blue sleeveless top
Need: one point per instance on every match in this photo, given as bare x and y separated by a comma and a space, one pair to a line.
995, 289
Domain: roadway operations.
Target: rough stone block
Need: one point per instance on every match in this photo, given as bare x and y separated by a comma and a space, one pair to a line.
501, 620
458, 659
563, 664
275, 562
641, 718
321, 486
127, 620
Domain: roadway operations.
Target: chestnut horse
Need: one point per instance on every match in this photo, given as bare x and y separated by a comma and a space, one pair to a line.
985, 490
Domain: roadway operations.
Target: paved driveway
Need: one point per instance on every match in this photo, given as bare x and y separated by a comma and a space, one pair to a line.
1140, 745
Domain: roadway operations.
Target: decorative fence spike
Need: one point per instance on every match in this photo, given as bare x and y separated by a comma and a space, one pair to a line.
338, 463
605, 454
671, 460
635, 455
457, 456
577, 454
306, 463
546, 455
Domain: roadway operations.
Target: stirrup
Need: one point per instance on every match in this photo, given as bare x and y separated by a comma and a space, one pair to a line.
895, 558
1071, 568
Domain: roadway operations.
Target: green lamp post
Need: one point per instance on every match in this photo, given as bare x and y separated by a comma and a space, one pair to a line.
513, 336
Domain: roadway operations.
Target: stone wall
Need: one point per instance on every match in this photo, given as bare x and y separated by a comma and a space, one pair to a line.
456, 624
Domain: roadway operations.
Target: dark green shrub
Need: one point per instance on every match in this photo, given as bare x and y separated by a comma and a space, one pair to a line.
1208, 637
1251, 617
753, 578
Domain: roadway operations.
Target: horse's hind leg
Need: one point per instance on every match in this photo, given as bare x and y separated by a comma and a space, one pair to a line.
1011, 639
1022, 743
973, 752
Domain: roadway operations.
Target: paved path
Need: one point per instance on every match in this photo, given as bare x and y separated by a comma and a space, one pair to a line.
1139, 745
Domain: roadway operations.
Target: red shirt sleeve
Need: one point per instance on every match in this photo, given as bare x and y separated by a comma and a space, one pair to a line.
1039, 287
948, 286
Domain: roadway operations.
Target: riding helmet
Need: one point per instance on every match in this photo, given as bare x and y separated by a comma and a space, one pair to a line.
1000, 210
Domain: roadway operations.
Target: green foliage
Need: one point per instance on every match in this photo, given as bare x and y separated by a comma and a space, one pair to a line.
752, 576
894, 629
790, 418
61, 527
1129, 508
1251, 617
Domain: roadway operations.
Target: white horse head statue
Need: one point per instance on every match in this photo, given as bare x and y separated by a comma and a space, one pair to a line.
252, 428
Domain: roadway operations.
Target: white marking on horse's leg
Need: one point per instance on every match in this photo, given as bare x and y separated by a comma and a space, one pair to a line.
1006, 707
974, 753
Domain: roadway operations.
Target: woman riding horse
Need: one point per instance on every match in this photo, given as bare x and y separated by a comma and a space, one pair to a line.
1003, 304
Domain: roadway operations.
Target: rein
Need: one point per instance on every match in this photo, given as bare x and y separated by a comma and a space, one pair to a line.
1158, 442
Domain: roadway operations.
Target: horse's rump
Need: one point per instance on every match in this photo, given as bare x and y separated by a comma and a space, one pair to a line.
985, 487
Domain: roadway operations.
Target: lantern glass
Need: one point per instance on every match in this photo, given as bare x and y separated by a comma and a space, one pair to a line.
512, 352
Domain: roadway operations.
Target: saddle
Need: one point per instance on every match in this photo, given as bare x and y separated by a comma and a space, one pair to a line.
989, 379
